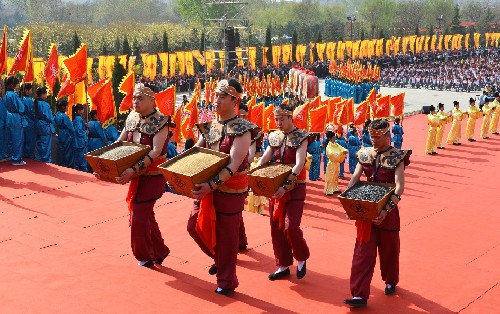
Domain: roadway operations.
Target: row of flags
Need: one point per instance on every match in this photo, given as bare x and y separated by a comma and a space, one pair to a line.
355, 71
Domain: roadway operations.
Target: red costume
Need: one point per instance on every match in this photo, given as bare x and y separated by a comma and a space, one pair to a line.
228, 202
146, 240
288, 239
384, 236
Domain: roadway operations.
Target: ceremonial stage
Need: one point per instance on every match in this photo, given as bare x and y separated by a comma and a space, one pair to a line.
65, 244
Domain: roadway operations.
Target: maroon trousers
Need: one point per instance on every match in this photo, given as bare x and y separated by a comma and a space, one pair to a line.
146, 239
243, 236
364, 259
290, 243
228, 208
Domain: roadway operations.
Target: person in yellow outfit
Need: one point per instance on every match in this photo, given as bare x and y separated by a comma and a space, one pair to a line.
443, 117
456, 125
495, 114
485, 124
336, 155
474, 113
256, 203
434, 122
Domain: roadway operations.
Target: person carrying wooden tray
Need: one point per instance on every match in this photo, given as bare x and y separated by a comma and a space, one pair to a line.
381, 163
145, 125
288, 146
214, 223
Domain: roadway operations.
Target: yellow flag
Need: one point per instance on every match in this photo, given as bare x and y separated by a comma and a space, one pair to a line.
252, 56
38, 70
181, 58
164, 63
90, 78
172, 61
189, 63
320, 49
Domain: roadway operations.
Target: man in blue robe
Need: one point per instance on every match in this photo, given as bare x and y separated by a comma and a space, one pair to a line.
44, 126
29, 115
14, 122
353, 145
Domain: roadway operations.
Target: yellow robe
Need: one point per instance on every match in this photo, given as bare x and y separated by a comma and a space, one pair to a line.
434, 122
336, 155
474, 114
256, 204
495, 117
485, 124
443, 117
456, 127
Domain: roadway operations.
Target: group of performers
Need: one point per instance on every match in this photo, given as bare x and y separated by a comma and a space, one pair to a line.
27, 127
216, 221
490, 112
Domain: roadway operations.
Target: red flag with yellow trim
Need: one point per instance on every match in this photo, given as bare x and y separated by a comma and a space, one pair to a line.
269, 123
383, 107
67, 87
3, 52
23, 55
104, 103
165, 101
361, 113
301, 116
77, 65
51, 70
127, 87
398, 104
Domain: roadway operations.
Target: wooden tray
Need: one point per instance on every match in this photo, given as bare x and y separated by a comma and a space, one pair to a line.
365, 210
265, 186
185, 184
109, 169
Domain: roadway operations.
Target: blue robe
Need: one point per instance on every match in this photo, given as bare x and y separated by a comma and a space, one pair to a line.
342, 142
80, 147
97, 139
171, 150
65, 140
315, 150
367, 141
29, 130
3, 130
353, 145
397, 135
15, 124
44, 130
111, 134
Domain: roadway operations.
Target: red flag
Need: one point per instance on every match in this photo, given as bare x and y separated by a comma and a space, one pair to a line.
165, 101
339, 108
383, 107
176, 137
189, 122
256, 114
318, 119
104, 103
372, 100
51, 71
269, 119
77, 65
342, 117
301, 116
349, 108
361, 113
127, 87
3, 52
398, 104
93, 89
66, 87
315, 103
23, 55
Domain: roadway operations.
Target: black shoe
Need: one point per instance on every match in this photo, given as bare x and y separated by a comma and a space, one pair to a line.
389, 291
440, 147
486, 137
496, 133
281, 274
434, 153
161, 259
242, 248
429, 153
459, 143
149, 264
212, 270
301, 273
225, 292
356, 302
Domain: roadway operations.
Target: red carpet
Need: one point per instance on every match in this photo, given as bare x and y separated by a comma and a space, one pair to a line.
64, 239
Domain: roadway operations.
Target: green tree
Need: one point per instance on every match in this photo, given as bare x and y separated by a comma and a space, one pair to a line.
118, 73
126, 47
137, 51
76, 42
319, 39
118, 47
294, 44
269, 45
381, 34
417, 30
378, 14
237, 38
456, 28
164, 42
431, 30
202, 42
104, 48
